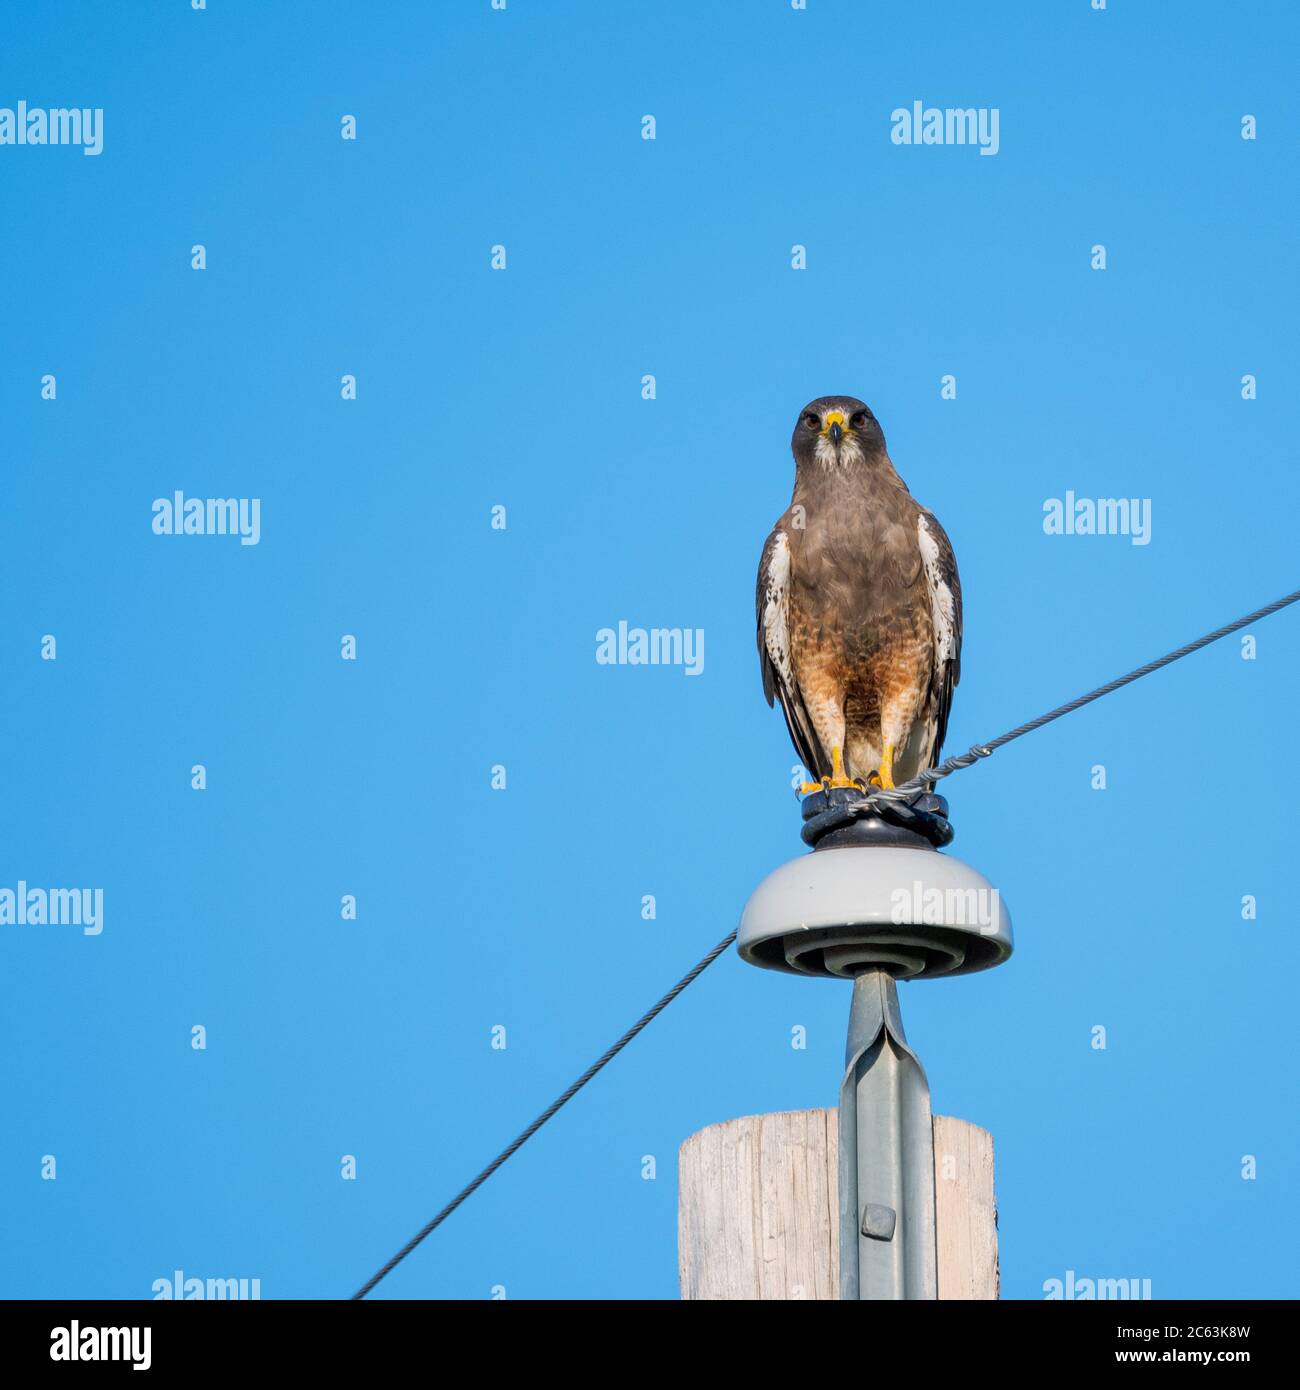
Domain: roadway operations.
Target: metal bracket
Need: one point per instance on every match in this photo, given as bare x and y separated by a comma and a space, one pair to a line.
886, 1163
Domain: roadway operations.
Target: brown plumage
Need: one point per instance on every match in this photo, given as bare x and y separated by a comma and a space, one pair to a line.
859, 607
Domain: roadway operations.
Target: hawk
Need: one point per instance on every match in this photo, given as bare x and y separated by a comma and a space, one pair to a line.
859, 608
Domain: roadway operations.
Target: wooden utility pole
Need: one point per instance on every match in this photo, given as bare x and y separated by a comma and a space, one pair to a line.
759, 1216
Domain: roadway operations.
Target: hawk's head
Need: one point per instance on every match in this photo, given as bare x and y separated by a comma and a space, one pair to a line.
836, 432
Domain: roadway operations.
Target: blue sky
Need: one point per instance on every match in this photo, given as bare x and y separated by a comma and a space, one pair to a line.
476, 647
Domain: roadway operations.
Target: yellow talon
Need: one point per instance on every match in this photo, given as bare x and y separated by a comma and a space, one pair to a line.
836, 779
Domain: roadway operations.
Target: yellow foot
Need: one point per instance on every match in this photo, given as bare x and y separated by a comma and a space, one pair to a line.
885, 777
827, 784
837, 779
839, 773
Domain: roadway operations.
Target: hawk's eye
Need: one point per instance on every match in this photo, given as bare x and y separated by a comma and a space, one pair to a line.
812, 421
859, 420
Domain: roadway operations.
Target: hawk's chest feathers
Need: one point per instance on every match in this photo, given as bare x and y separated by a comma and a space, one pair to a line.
856, 566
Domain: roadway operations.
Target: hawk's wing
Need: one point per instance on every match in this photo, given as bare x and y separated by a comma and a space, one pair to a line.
772, 602
945, 609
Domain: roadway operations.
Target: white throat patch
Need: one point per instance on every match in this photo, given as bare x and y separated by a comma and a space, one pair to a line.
848, 455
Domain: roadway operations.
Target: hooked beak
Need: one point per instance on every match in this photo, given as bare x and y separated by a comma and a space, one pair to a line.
834, 426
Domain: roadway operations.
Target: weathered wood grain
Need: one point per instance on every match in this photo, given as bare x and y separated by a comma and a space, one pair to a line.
965, 1210
758, 1212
